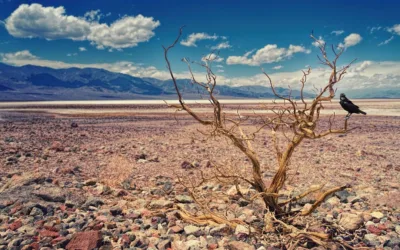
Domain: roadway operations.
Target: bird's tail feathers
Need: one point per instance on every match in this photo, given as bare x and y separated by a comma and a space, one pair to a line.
362, 112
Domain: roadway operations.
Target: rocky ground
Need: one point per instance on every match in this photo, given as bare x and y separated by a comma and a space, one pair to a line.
110, 182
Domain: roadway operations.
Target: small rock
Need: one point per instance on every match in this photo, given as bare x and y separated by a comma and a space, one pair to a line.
343, 195
93, 201
240, 245
192, 245
175, 230
371, 240
74, 125
36, 212
14, 243
57, 146
374, 230
90, 182
241, 229
184, 199
397, 229
377, 215
164, 244
15, 225
190, 229
115, 210
350, 221
334, 201
157, 204
393, 242
219, 230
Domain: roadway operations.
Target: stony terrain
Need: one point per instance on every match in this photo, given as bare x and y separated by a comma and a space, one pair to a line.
108, 181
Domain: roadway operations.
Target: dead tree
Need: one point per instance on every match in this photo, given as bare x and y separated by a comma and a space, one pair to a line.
295, 121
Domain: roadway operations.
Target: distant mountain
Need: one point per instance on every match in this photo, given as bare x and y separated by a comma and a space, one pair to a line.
41, 83
375, 93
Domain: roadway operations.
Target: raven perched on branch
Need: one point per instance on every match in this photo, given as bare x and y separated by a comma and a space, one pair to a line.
349, 106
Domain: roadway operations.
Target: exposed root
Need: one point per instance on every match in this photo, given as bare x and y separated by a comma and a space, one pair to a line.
302, 195
298, 235
207, 219
322, 198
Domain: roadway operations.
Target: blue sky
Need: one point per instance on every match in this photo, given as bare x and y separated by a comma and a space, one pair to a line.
126, 36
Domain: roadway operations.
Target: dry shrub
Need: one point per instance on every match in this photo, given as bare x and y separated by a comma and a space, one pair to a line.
290, 122
116, 171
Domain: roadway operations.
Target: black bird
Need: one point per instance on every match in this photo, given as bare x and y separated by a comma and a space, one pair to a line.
349, 106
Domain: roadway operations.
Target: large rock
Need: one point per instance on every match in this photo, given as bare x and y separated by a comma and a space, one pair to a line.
85, 241
53, 194
351, 221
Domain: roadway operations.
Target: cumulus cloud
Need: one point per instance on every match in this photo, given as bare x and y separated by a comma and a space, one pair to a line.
395, 29
319, 42
386, 41
51, 23
269, 54
277, 67
212, 58
223, 45
17, 56
351, 40
123, 33
195, 37
34, 20
337, 32
82, 49
363, 75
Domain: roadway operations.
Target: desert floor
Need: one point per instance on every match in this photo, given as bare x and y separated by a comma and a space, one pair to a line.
141, 144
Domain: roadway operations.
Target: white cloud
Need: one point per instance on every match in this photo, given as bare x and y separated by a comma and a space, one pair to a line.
373, 29
220, 70
93, 15
395, 29
82, 49
51, 23
337, 32
351, 40
269, 54
366, 74
219, 66
278, 67
124, 33
223, 45
72, 54
20, 55
194, 37
386, 41
319, 42
212, 58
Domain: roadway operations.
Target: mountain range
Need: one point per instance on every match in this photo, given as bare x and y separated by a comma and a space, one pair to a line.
35, 83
